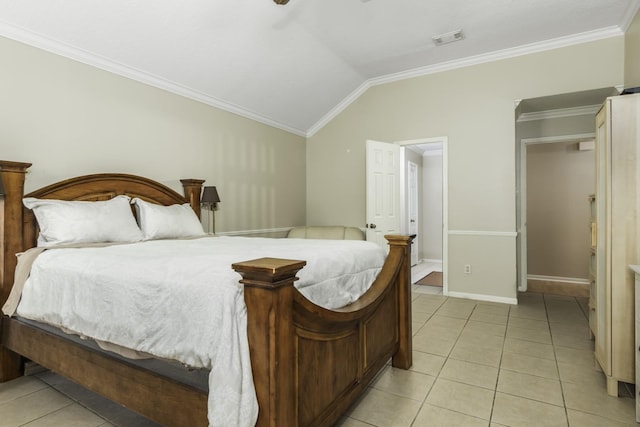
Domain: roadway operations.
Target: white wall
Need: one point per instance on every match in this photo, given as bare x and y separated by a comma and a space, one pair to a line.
412, 156
474, 108
432, 205
70, 119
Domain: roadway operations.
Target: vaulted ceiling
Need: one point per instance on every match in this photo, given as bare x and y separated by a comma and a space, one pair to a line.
295, 66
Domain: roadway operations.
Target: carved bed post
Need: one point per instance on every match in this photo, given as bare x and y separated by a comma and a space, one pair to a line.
192, 191
12, 175
268, 293
404, 356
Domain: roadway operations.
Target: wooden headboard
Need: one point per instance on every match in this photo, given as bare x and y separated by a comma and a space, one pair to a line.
19, 229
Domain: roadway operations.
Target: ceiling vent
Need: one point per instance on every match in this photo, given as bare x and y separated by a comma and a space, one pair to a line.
445, 38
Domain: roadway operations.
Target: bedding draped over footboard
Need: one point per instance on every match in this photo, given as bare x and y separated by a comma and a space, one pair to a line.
180, 300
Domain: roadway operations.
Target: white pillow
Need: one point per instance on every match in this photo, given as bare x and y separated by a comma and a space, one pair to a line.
167, 222
68, 222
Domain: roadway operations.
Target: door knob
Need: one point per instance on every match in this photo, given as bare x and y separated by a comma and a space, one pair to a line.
372, 226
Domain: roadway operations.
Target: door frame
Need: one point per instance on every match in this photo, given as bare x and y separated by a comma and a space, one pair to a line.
445, 198
413, 196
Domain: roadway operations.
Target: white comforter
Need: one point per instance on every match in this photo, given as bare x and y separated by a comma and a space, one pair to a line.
180, 299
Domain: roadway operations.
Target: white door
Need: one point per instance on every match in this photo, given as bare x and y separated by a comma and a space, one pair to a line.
412, 219
383, 190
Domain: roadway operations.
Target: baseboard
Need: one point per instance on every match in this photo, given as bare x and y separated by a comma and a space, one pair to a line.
566, 286
559, 279
434, 261
483, 297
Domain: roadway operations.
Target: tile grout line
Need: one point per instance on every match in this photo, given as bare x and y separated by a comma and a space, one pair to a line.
442, 367
495, 391
47, 387
555, 359
72, 402
467, 320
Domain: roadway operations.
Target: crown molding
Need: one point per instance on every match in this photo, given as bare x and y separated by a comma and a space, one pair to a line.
59, 48
586, 110
556, 43
335, 111
498, 55
631, 13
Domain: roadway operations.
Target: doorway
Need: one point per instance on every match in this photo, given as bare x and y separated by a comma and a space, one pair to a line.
557, 180
423, 207
540, 124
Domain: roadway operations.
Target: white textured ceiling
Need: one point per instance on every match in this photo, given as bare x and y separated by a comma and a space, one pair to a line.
296, 65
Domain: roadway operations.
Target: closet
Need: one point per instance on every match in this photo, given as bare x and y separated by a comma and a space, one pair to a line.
616, 237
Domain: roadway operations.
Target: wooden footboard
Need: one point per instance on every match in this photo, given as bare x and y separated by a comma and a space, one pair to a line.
309, 364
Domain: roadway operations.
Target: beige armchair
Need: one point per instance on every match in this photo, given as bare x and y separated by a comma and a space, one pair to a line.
333, 232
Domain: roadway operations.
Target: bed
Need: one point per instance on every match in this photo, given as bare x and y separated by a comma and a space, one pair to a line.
309, 364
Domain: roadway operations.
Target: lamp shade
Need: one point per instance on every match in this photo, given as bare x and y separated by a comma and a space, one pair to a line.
210, 195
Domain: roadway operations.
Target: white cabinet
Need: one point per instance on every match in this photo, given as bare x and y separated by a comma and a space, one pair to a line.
616, 199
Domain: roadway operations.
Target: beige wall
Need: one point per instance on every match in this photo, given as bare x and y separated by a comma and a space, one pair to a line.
474, 108
70, 119
631, 54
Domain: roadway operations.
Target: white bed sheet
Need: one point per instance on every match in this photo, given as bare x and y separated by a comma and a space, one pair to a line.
180, 300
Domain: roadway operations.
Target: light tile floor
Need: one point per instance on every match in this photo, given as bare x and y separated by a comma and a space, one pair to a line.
475, 364
488, 364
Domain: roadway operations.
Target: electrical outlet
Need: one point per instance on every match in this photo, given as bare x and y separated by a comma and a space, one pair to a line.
467, 269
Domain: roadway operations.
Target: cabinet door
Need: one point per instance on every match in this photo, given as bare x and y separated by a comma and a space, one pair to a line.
603, 291
623, 136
